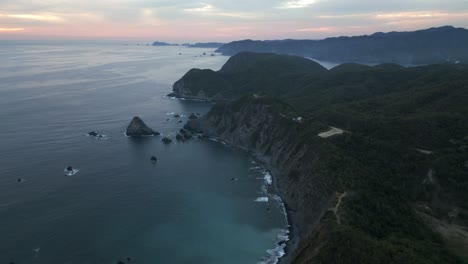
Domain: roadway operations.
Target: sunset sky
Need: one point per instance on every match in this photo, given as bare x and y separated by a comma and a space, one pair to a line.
221, 20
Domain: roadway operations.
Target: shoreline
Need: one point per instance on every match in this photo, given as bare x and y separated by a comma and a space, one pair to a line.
293, 236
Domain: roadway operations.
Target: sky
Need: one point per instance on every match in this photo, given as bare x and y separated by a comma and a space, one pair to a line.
221, 20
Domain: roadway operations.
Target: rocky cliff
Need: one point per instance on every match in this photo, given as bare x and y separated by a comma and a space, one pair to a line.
343, 198
269, 129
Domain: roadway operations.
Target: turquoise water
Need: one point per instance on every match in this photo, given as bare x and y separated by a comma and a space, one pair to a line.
184, 209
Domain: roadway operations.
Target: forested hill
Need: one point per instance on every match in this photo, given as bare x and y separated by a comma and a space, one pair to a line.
389, 142
435, 45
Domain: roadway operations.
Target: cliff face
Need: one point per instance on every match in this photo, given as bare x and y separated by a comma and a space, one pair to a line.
339, 193
266, 128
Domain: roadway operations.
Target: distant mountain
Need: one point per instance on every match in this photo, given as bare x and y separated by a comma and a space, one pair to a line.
206, 45
163, 44
435, 45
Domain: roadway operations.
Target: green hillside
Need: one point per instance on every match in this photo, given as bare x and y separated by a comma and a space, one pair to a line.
402, 160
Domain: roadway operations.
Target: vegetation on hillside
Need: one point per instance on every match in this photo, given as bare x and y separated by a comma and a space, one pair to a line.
403, 159
434, 45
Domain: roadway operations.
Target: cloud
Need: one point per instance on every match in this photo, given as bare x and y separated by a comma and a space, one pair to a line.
149, 17
11, 29
210, 10
420, 14
397, 17
292, 4
37, 17
206, 19
344, 16
202, 9
317, 29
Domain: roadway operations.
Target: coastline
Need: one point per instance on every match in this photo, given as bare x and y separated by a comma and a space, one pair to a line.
293, 236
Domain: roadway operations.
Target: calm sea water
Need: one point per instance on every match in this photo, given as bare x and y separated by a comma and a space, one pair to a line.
184, 209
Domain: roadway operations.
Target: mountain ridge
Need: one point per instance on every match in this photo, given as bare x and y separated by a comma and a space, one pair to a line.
445, 44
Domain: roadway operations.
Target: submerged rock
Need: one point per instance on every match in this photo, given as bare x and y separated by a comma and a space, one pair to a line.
138, 128
19, 180
92, 133
179, 137
176, 115
69, 168
166, 140
154, 159
193, 116
96, 135
185, 133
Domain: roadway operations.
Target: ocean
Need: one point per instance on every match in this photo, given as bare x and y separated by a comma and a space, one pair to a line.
203, 202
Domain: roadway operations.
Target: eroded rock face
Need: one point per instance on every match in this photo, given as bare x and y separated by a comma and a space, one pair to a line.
138, 128
256, 125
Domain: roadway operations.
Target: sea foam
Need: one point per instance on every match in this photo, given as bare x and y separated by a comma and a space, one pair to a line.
262, 199
273, 255
70, 173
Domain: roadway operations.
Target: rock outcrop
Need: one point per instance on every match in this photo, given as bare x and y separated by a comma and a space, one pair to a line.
93, 134
193, 116
179, 137
138, 128
166, 140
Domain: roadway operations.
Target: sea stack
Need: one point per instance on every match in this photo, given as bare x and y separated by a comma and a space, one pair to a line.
138, 128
